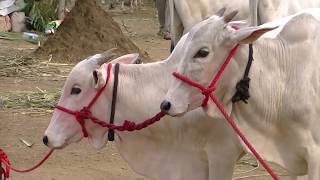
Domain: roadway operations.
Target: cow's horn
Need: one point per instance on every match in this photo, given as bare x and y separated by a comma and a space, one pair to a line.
221, 12
227, 18
106, 56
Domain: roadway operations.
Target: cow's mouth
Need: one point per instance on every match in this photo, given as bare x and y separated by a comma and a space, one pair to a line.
97, 142
60, 147
57, 145
180, 114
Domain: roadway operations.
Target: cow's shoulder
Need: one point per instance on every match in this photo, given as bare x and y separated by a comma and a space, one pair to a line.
301, 28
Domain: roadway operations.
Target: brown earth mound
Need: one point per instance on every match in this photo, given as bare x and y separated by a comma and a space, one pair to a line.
87, 30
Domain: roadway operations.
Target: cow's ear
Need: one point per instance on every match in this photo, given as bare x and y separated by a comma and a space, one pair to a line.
239, 24
249, 34
98, 78
127, 59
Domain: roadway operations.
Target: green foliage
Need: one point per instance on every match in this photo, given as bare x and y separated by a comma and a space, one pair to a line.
40, 13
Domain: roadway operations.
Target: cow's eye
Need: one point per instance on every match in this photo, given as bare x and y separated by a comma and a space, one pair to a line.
202, 53
75, 90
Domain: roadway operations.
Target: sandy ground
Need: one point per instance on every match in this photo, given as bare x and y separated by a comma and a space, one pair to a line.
78, 161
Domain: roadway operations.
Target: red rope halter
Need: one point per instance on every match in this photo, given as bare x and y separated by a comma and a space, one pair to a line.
85, 113
207, 92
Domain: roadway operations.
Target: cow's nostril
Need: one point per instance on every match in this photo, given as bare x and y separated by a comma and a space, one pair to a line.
165, 106
45, 140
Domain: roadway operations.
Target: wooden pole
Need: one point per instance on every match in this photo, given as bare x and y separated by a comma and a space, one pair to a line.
61, 10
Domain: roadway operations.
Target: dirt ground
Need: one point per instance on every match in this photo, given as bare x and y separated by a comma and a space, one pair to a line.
78, 161
93, 31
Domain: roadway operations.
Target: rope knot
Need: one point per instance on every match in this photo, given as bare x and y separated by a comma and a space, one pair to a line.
4, 159
129, 125
84, 113
206, 93
81, 115
242, 93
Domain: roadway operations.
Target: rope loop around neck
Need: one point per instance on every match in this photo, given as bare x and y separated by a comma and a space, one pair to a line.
207, 92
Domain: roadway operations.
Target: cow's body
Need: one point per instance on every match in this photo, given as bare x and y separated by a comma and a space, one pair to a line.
269, 10
185, 14
281, 118
181, 148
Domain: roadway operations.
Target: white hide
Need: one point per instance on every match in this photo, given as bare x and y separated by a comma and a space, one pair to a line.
281, 118
269, 10
181, 148
185, 14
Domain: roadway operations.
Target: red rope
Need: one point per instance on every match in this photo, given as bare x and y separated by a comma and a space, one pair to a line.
207, 92
85, 113
102, 89
126, 125
80, 116
243, 138
5, 160
130, 125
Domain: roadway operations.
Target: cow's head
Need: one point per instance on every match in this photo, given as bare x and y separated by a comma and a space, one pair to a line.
82, 84
205, 49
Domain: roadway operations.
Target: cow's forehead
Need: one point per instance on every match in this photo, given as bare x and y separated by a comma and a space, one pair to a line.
82, 70
203, 34
87, 65
206, 29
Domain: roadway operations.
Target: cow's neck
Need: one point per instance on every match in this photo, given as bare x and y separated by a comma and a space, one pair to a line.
261, 119
269, 67
141, 89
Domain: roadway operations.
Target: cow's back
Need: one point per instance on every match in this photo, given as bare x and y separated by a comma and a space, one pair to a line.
291, 26
185, 14
302, 27
192, 12
269, 10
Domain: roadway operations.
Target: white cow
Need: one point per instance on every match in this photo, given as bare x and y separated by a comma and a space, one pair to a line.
269, 10
281, 118
186, 13
181, 148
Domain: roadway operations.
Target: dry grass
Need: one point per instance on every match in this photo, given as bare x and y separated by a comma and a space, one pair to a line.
36, 101
39, 101
28, 67
16, 65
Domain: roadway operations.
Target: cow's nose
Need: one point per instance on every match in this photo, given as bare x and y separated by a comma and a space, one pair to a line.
45, 140
165, 106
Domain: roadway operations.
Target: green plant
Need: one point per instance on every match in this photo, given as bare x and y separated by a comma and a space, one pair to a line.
40, 13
